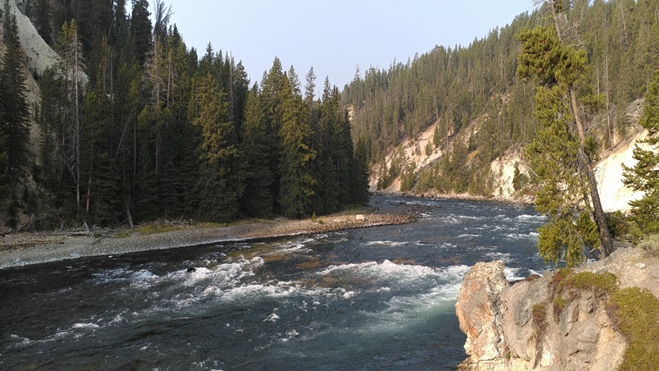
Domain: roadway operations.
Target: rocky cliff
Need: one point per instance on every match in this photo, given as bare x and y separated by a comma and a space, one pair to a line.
539, 324
39, 54
420, 152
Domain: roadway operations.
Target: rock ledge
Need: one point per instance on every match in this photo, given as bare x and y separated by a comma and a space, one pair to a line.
501, 320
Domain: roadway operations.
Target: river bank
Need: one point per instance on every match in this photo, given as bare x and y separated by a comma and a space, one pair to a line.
33, 248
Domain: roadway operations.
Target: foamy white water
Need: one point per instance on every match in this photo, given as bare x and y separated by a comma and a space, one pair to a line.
379, 298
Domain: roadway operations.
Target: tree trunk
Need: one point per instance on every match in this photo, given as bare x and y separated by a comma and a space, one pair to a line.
606, 243
130, 218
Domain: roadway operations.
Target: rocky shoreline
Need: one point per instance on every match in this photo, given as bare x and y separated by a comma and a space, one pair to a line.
35, 248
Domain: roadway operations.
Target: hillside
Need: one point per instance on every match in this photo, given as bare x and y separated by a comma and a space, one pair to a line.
455, 120
615, 195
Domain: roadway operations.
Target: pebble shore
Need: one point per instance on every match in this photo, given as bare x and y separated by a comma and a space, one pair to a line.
32, 248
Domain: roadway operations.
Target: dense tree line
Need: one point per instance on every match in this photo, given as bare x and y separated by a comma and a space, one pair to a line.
454, 86
135, 126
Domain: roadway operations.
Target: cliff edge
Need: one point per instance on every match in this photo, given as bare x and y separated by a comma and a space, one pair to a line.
564, 320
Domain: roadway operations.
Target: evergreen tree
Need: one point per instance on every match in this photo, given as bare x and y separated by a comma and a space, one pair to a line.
644, 176
221, 183
14, 124
296, 182
40, 14
71, 66
102, 191
140, 30
329, 151
180, 167
271, 92
50, 118
126, 105
361, 176
557, 153
258, 199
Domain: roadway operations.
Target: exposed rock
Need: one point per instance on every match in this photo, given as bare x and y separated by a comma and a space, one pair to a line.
420, 151
609, 173
479, 310
40, 54
517, 327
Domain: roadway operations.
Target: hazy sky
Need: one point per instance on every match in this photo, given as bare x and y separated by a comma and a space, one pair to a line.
334, 36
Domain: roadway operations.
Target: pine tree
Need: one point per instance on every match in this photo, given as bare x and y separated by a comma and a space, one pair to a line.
102, 191
71, 66
361, 177
644, 176
41, 15
557, 153
140, 30
14, 124
50, 119
568, 65
296, 182
271, 91
258, 199
222, 180
329, 154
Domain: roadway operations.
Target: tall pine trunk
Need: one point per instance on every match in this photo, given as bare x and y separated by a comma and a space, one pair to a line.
585, 163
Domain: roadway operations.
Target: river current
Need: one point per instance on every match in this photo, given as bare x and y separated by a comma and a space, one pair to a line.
380, 298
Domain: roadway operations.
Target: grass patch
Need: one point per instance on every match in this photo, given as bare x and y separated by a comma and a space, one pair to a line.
122, 234
650, 245
558, 277
153, 229
634, 310
216, 225
539, 315
559, 304
601, 284
637, 313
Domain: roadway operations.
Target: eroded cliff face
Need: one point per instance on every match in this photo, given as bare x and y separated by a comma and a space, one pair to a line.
517, 327
422, 153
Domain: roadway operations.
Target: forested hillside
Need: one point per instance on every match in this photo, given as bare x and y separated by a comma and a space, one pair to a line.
134, 126
481, 110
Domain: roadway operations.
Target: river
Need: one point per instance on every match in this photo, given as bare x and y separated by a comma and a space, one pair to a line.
380, 298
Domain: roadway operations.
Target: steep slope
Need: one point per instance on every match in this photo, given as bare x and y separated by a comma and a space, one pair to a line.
39, 54
421, 154
454, 121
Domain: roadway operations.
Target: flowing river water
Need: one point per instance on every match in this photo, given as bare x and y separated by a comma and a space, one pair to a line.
380, 298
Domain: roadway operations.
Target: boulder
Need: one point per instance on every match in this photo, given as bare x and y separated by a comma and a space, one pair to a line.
478, 308
515, 327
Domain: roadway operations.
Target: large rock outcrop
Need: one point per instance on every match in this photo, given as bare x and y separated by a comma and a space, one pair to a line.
516, 327
39, 54
478, 308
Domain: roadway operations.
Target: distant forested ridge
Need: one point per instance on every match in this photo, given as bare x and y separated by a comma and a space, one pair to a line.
134, 126
482, 110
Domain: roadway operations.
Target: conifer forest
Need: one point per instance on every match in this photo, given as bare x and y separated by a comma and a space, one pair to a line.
473, 93
134, 126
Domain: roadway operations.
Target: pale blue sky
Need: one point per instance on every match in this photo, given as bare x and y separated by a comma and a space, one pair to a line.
334, 36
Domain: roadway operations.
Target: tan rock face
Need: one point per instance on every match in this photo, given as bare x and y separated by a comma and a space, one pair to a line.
478, 309
502, 334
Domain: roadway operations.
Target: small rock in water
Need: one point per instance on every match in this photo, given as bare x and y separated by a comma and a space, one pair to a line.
191, 270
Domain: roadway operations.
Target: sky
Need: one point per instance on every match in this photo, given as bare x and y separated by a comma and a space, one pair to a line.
335, 36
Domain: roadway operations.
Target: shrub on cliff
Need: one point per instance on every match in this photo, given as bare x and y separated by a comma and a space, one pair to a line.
637, 311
